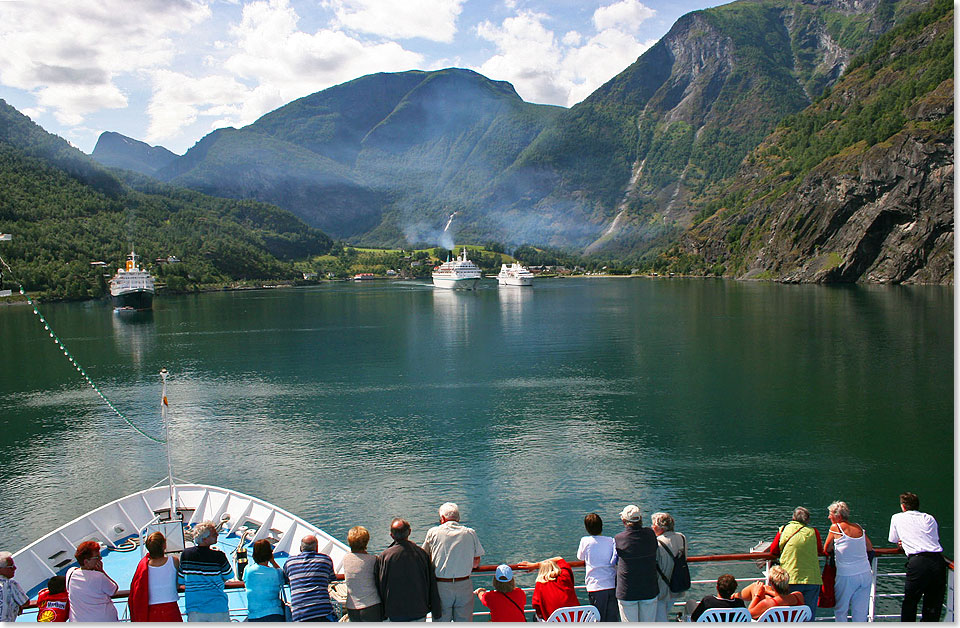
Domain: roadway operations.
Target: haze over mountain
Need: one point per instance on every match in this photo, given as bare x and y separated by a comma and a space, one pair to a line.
387, 159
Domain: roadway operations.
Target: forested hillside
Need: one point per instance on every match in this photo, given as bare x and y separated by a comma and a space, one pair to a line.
66, 211
857, 187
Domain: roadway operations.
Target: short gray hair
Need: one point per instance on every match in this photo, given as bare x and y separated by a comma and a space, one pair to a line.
662, 520
309, 543
203, 530
801, 515
5, 559
839, 509
450, 511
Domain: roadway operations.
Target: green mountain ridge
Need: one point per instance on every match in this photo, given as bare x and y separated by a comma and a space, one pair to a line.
66, 211
857, 187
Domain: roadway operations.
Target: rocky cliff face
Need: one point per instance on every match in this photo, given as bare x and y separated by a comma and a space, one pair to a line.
736, 70
878, 209
119, 151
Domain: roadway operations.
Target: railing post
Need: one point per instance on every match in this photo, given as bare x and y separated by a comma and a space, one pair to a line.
872, 608
950, 597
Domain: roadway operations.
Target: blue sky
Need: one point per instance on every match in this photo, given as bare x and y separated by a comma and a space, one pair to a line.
170, 71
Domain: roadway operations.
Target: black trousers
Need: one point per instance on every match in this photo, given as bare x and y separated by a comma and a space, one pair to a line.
606, 602
927, 579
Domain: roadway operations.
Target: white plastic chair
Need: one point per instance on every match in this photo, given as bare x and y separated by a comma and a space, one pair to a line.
781, 614
579, 614
724, 615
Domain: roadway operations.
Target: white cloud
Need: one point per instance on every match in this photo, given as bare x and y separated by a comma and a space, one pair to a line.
435, 20
69, 54
625, 15
563, 71
268, 63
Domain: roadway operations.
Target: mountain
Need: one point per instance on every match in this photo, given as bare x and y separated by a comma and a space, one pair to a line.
119, 151
382, 159
642, 147
387, 158
857, 187
66, 210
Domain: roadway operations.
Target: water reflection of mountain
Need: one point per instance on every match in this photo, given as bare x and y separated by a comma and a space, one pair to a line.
133, 333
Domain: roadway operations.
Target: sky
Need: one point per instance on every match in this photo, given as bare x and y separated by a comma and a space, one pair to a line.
168, 72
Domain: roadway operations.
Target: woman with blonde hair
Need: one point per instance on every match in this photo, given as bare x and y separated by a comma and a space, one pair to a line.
759, 596
554, 587
854, 575
363, 601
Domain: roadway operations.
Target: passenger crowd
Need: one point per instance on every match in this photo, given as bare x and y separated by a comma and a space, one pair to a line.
636, 575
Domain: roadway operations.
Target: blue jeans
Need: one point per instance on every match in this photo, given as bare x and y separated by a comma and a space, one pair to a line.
811, 593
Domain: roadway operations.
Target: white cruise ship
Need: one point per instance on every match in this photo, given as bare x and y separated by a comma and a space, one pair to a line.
515, 275
458, 273
132, 288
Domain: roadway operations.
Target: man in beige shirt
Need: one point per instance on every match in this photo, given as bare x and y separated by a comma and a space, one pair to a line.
455, 552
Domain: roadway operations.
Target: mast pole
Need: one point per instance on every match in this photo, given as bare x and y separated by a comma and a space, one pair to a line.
166, 437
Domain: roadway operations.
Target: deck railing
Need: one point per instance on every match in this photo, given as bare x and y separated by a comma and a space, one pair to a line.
885, 592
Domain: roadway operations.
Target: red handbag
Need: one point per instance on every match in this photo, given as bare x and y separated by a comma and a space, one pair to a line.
828, 597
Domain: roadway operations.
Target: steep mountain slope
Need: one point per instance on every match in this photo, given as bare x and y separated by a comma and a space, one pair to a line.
119, 151
686, 113
388, 156
66, 211
857, 187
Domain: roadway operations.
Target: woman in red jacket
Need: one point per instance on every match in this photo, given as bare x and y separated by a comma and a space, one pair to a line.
554, 587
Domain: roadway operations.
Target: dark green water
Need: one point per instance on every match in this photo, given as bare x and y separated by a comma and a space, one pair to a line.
723, 403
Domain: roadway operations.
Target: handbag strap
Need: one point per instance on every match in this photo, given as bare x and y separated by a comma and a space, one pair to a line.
512, 601
802, 526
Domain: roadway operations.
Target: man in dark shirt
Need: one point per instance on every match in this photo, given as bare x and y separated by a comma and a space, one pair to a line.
637, 586
406, 579
726, 587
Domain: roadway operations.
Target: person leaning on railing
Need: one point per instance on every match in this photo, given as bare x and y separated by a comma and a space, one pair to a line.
12, 596
89, 588
671, 543
554, 587
599, 554
918, 534
205, 572
153, 593
851, 545
759, 596
264, 582
799, 547
363, 601
507, 601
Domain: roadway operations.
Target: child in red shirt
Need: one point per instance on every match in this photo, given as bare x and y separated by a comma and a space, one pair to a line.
52, 603
506, 601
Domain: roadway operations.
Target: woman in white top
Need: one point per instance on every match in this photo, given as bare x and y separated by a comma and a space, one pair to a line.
600, 555
89, 588
851, 544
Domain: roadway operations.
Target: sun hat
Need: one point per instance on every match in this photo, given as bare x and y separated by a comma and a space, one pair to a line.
630, 513
504, 573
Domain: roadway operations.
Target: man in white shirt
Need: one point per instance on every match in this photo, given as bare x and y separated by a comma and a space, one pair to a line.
600, 555
12, 597
455, 552
918, 535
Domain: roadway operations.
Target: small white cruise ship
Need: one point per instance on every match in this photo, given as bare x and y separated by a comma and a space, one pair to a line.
132, 288
458, 273
515, 275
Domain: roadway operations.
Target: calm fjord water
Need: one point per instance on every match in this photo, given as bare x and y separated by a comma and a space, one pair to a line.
723, 403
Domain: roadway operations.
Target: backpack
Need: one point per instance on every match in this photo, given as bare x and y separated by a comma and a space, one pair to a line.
679, 580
